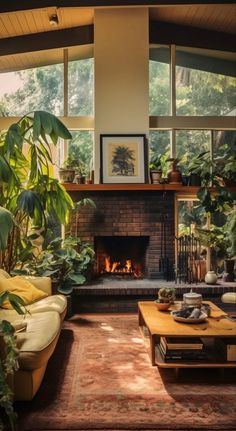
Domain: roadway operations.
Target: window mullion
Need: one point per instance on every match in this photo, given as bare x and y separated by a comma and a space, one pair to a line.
172, 98
65, 58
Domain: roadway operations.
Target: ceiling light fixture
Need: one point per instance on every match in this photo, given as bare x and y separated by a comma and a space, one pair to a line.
53, 19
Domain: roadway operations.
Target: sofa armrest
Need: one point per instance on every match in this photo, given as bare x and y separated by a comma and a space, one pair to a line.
42, 283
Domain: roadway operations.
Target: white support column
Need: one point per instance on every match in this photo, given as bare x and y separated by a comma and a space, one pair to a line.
121, 60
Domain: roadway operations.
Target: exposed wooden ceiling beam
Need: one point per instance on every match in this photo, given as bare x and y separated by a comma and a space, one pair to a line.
16, 5
169, 33
159, 32
82, 35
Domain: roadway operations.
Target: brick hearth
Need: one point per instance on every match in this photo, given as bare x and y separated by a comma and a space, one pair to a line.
122, 296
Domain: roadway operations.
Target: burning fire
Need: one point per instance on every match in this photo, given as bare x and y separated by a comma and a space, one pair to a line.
117, 267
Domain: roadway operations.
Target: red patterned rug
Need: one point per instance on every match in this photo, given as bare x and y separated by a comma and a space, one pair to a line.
100, 378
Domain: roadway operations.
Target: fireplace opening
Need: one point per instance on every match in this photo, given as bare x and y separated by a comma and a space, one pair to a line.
123, 256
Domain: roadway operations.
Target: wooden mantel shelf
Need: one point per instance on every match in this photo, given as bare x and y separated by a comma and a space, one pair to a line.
125, 187
71, 187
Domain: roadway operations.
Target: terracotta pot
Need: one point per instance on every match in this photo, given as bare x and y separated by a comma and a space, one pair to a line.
162, 306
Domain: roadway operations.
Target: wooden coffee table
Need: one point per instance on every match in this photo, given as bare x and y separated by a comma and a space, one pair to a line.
155, 324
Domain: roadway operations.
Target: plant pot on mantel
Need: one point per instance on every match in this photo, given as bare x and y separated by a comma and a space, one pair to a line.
194, 180
66, 175
155, 176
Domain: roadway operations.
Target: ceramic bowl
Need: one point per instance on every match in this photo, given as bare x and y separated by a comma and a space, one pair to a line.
162, 306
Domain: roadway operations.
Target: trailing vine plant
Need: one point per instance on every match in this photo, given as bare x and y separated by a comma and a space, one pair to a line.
8, 360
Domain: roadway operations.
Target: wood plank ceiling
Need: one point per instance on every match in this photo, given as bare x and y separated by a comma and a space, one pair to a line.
217, 17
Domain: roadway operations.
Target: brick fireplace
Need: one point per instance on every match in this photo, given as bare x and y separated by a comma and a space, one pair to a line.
127, 225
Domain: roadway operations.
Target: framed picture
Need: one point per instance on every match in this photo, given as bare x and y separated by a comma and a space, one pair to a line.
123, 159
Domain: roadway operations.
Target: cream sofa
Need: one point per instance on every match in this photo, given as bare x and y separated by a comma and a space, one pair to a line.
38, 340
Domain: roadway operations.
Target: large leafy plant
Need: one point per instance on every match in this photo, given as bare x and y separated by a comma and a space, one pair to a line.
66, 261
29, 192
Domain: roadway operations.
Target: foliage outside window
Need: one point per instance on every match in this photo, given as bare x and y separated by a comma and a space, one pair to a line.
190, 216
205, 84
80, 87
81, 151
39, 88
159, 80
224, 148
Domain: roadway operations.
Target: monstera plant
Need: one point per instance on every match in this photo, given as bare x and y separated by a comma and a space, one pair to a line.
29, 194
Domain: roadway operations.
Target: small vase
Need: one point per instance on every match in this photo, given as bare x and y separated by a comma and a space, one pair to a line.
174, 175
210, 277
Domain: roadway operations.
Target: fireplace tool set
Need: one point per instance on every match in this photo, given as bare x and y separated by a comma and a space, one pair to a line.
164, 263
188, 269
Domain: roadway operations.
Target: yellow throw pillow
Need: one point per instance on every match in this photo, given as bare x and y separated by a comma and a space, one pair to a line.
4, 274
21, 287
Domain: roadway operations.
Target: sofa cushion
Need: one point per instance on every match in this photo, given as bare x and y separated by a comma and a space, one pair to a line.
37, 342
229, 298
51, 303
22, 287
42, 283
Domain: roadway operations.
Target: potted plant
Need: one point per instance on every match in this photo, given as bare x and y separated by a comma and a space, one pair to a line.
29, 195
155, 167
198, 167
166, 294
67, 170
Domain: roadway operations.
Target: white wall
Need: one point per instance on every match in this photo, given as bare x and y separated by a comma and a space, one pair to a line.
121, 58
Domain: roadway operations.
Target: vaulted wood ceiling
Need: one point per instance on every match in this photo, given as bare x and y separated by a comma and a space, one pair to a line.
16, 26
219, 17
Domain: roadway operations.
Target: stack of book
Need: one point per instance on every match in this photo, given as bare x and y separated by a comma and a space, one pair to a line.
181, 349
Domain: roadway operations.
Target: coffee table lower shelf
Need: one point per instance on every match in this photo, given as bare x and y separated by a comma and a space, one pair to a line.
159, 361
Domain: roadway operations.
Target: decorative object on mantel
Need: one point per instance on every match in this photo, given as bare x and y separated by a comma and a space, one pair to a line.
211, 277
155, 169
67, 171
174, 175
123, 159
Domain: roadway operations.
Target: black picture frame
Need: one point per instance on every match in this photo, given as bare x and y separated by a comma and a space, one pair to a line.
123, 159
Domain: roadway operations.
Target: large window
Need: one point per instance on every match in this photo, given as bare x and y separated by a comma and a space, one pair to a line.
192, 92
205, 82
48, 88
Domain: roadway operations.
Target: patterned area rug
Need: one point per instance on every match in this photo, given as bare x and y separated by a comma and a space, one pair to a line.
100, 378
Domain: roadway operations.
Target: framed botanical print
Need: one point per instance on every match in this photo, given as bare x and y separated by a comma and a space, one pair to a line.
123, 159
